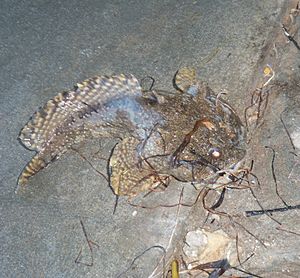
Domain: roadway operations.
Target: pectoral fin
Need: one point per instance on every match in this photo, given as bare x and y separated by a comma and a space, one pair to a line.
131, 175
185, 80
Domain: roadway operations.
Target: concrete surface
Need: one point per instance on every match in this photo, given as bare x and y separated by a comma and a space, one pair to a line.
47, 46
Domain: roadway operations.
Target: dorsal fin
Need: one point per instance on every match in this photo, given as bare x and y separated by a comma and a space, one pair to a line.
184, 79
67, 106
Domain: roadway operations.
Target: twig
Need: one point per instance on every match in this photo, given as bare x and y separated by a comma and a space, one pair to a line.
246, 272
286, 130
237, 248
259, 99
220, 200
262, 209
93, 167
248, 258
90, 243
170, 205
290, 37
290, 232
116, 204
274, 176
250, 213
259, 240
228, 215
205, 192
143, 81
140, 255
219, 267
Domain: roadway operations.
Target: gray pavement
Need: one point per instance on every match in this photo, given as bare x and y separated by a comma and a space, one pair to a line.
48, 46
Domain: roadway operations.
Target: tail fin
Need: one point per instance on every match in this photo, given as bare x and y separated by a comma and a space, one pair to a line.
35, 165
60, 124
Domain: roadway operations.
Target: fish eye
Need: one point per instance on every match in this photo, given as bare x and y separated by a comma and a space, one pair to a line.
215, 153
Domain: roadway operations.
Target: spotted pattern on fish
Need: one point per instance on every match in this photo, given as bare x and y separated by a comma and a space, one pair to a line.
162, 134
60, 123
185, 79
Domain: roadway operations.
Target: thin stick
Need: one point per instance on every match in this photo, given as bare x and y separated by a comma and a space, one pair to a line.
220, 200
290, 37
286, 130
291, 232
219, 267
246, 272
90, 243
205, 192
262, 209
116, 204
152, 82
261, 242
93, 167
248, 258
274, 176
237, 248
171, 205
217, 204
250, 213
140, 255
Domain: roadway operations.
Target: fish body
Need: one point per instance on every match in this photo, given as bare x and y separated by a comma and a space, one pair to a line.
188, 134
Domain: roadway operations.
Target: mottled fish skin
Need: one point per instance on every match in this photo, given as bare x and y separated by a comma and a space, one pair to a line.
61, 122
185, 81
188, 135
127, 178
206, 124
201, 134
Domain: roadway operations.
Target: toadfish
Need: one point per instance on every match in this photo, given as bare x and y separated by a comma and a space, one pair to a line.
189, 134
